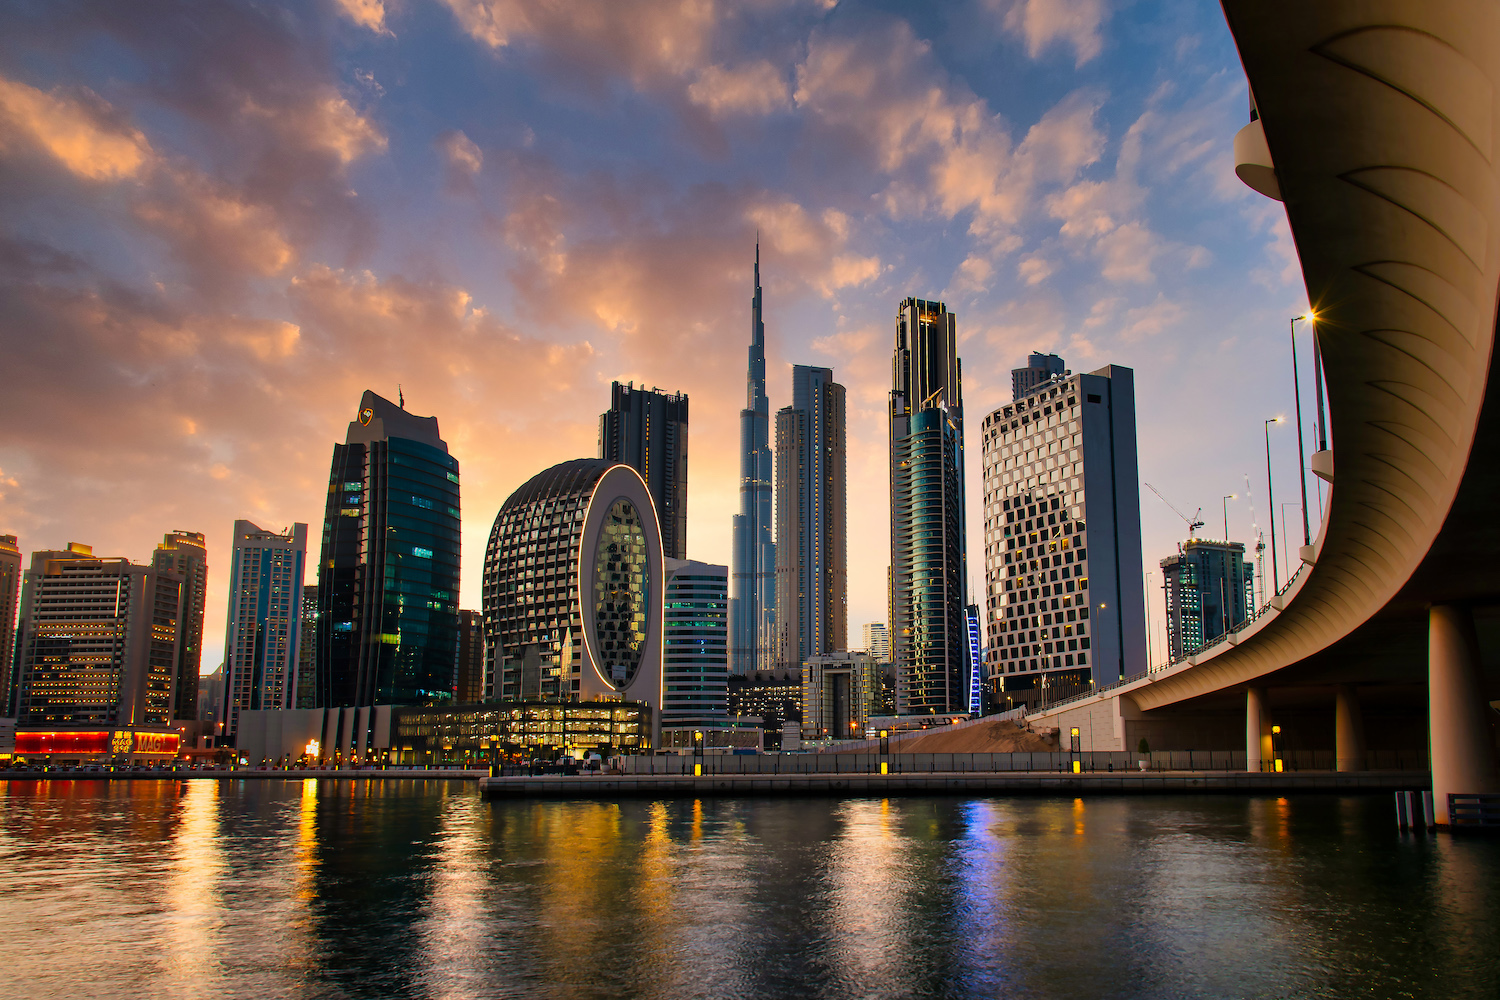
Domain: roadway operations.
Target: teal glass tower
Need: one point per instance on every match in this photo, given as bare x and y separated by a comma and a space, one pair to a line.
929, 565
387, 627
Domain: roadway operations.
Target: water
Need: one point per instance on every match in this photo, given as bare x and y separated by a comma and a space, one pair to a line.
420, 889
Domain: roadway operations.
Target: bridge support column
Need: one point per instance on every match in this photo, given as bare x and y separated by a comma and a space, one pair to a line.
1348, 731
1257, 730
1463, 751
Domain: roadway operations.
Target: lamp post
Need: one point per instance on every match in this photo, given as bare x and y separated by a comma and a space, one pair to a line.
1301, 456
1271, 506
1224, 576
1284, 505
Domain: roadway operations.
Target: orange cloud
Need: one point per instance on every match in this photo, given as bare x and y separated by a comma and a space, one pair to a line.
80, 133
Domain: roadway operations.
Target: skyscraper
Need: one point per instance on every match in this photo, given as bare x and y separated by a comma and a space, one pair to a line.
10, 597
1209, 590
648, 431
812, 557
752, 591
573, 585
695, 628
929, 564
184, 553
263, 629
99, 640
388, 574
1040, 369
1062, 523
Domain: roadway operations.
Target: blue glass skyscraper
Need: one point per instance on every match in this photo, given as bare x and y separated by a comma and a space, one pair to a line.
752, 600
388, 575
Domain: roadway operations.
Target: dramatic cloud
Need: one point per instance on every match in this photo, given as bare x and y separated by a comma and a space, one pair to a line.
218, 227
943, 148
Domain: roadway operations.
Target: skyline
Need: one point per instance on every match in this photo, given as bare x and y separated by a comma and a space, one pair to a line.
239, 201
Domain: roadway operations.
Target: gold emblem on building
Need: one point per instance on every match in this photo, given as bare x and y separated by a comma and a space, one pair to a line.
366, 415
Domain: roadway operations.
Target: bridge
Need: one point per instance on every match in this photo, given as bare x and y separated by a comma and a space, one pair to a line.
1377, 125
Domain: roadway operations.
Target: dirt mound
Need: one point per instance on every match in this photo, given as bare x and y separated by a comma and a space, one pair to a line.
986, 737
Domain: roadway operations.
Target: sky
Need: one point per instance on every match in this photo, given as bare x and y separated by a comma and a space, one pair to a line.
220, 223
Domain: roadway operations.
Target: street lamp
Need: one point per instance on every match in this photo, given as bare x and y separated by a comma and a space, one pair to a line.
1224, 576
1301, 457
1271, 506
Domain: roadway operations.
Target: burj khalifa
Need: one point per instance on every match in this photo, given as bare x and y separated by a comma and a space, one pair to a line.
752, 590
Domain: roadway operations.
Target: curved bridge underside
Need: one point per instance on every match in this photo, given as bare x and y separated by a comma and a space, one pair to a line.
1383, 122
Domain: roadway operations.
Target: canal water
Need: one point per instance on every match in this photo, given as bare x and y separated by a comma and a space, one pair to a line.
260, 889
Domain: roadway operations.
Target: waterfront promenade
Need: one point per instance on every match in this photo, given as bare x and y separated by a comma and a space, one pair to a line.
620, 786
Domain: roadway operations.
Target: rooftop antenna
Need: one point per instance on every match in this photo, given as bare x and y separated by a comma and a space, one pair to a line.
400, 399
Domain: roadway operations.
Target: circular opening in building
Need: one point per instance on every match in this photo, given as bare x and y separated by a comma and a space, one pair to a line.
621, 593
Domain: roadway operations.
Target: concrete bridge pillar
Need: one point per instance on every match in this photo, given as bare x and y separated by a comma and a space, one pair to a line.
1257, 730
1463, 750
1348, 731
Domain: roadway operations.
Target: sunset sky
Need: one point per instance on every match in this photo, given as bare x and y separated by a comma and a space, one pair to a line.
219, 223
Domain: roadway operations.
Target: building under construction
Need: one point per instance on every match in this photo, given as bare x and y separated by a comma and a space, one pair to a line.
1209, 590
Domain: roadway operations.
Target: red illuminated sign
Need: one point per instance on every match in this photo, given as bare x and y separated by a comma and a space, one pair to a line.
62, 743
156, 742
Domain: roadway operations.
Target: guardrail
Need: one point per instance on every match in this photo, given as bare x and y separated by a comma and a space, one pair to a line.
1260, 612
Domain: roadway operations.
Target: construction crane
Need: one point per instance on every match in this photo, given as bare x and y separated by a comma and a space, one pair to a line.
1194, 523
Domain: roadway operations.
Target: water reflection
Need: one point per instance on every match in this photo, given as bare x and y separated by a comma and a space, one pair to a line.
419, 889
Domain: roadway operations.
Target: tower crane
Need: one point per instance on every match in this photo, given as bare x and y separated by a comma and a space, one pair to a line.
1194, 523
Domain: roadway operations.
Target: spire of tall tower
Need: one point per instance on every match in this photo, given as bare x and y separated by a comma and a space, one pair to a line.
752, 599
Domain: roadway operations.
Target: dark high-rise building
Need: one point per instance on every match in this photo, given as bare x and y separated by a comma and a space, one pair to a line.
752, 587
307, 650
10, 596
929, 564
388, 574
648, 431
1062, 523
1209, 590
468, 678
185, 553
812, 554
1040, 369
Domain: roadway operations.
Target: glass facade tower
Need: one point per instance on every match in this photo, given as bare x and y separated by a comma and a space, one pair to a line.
695, 655
929, 564
263, 627
388, 574
752, 587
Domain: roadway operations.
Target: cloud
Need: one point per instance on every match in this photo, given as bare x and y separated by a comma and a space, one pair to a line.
324, 124
366, 13
1044, 23
757, 88
945, 151
462, 153
83, 133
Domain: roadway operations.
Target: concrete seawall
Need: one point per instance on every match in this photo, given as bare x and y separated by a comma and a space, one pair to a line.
617, 786
245, 775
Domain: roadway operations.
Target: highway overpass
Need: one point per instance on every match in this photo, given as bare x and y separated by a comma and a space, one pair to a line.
1377, 124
